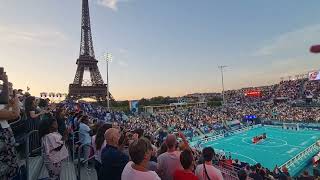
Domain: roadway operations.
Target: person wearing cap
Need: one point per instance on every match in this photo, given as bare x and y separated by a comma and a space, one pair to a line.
140, 153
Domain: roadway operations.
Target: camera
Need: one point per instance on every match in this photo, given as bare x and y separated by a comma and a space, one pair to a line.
4, 87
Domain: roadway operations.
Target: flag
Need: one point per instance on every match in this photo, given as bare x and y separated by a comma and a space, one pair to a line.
28, 88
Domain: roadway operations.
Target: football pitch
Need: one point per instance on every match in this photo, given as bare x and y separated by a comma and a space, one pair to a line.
279, 146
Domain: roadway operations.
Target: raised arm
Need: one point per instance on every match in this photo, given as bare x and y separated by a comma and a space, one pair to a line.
14, 113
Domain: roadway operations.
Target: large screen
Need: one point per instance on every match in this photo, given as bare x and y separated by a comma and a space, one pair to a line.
314, 75
253, 93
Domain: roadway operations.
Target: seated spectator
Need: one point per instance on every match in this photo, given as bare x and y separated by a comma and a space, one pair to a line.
169, 161
140, 153
207, 170
113, 160
187, 162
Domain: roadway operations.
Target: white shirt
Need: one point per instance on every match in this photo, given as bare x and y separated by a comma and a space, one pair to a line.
129, 173
214, 173
84, 134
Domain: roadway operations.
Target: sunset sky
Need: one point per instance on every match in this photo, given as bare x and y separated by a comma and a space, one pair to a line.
164, 47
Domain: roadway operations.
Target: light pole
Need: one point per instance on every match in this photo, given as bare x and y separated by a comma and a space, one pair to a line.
108, 58
221, 70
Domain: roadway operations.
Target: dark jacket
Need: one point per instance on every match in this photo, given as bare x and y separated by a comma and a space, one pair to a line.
113, 163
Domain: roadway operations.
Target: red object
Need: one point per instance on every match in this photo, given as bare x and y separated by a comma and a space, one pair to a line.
253, 93
315, 49
183, 175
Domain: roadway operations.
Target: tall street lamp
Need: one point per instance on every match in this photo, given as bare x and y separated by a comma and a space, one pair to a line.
221, 70
108, 58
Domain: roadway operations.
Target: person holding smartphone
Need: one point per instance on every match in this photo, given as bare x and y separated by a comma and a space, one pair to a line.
33, 121
8, 155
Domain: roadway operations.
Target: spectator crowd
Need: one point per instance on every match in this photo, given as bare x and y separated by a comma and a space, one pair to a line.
141, 146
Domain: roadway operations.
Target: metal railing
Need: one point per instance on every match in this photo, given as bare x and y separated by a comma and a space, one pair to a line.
73, 143
300, 156
27, 150
16, 122
84, 161
228, 172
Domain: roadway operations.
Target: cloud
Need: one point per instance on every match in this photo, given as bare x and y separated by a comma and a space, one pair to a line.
112, 4
123, 63
34, 36
291, 43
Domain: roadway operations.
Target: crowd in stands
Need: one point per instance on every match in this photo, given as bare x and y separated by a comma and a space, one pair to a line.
290, 89
312, 88
141, 146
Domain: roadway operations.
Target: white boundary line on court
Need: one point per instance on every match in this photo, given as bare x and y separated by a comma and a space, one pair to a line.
244, 156
285, 142
284, 131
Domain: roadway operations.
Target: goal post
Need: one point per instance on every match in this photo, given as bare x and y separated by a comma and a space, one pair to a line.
291, 126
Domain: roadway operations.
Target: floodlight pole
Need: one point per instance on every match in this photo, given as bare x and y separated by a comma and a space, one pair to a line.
108, 58
222, 82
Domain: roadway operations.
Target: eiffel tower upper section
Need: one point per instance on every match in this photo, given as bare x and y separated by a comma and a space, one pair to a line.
86, 45
87, 62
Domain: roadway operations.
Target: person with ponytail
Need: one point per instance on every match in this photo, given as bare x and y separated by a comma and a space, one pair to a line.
98, 142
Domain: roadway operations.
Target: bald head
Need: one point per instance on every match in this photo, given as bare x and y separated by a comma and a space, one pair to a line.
171, 141
112, 136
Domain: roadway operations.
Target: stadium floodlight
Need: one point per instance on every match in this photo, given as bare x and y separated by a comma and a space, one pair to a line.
315, 49
108, 58
221, 70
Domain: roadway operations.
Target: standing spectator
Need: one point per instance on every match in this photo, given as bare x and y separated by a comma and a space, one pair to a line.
206, 170
187, 162
33, 120
284, 174
61, 119
8, 154
54, 149
305, 176
99, 142
316, 173
169, 161
140, 152
242, 175
85, 137
113, 160
254, 175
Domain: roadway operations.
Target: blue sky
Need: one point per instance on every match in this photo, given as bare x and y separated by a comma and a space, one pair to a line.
167, 47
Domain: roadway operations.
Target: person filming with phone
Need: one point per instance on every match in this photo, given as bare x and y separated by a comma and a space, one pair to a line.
9, 110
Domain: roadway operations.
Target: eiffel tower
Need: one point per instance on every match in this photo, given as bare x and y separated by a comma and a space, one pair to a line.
95, 87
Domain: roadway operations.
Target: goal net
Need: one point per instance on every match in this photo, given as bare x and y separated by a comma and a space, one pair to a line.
290, 126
